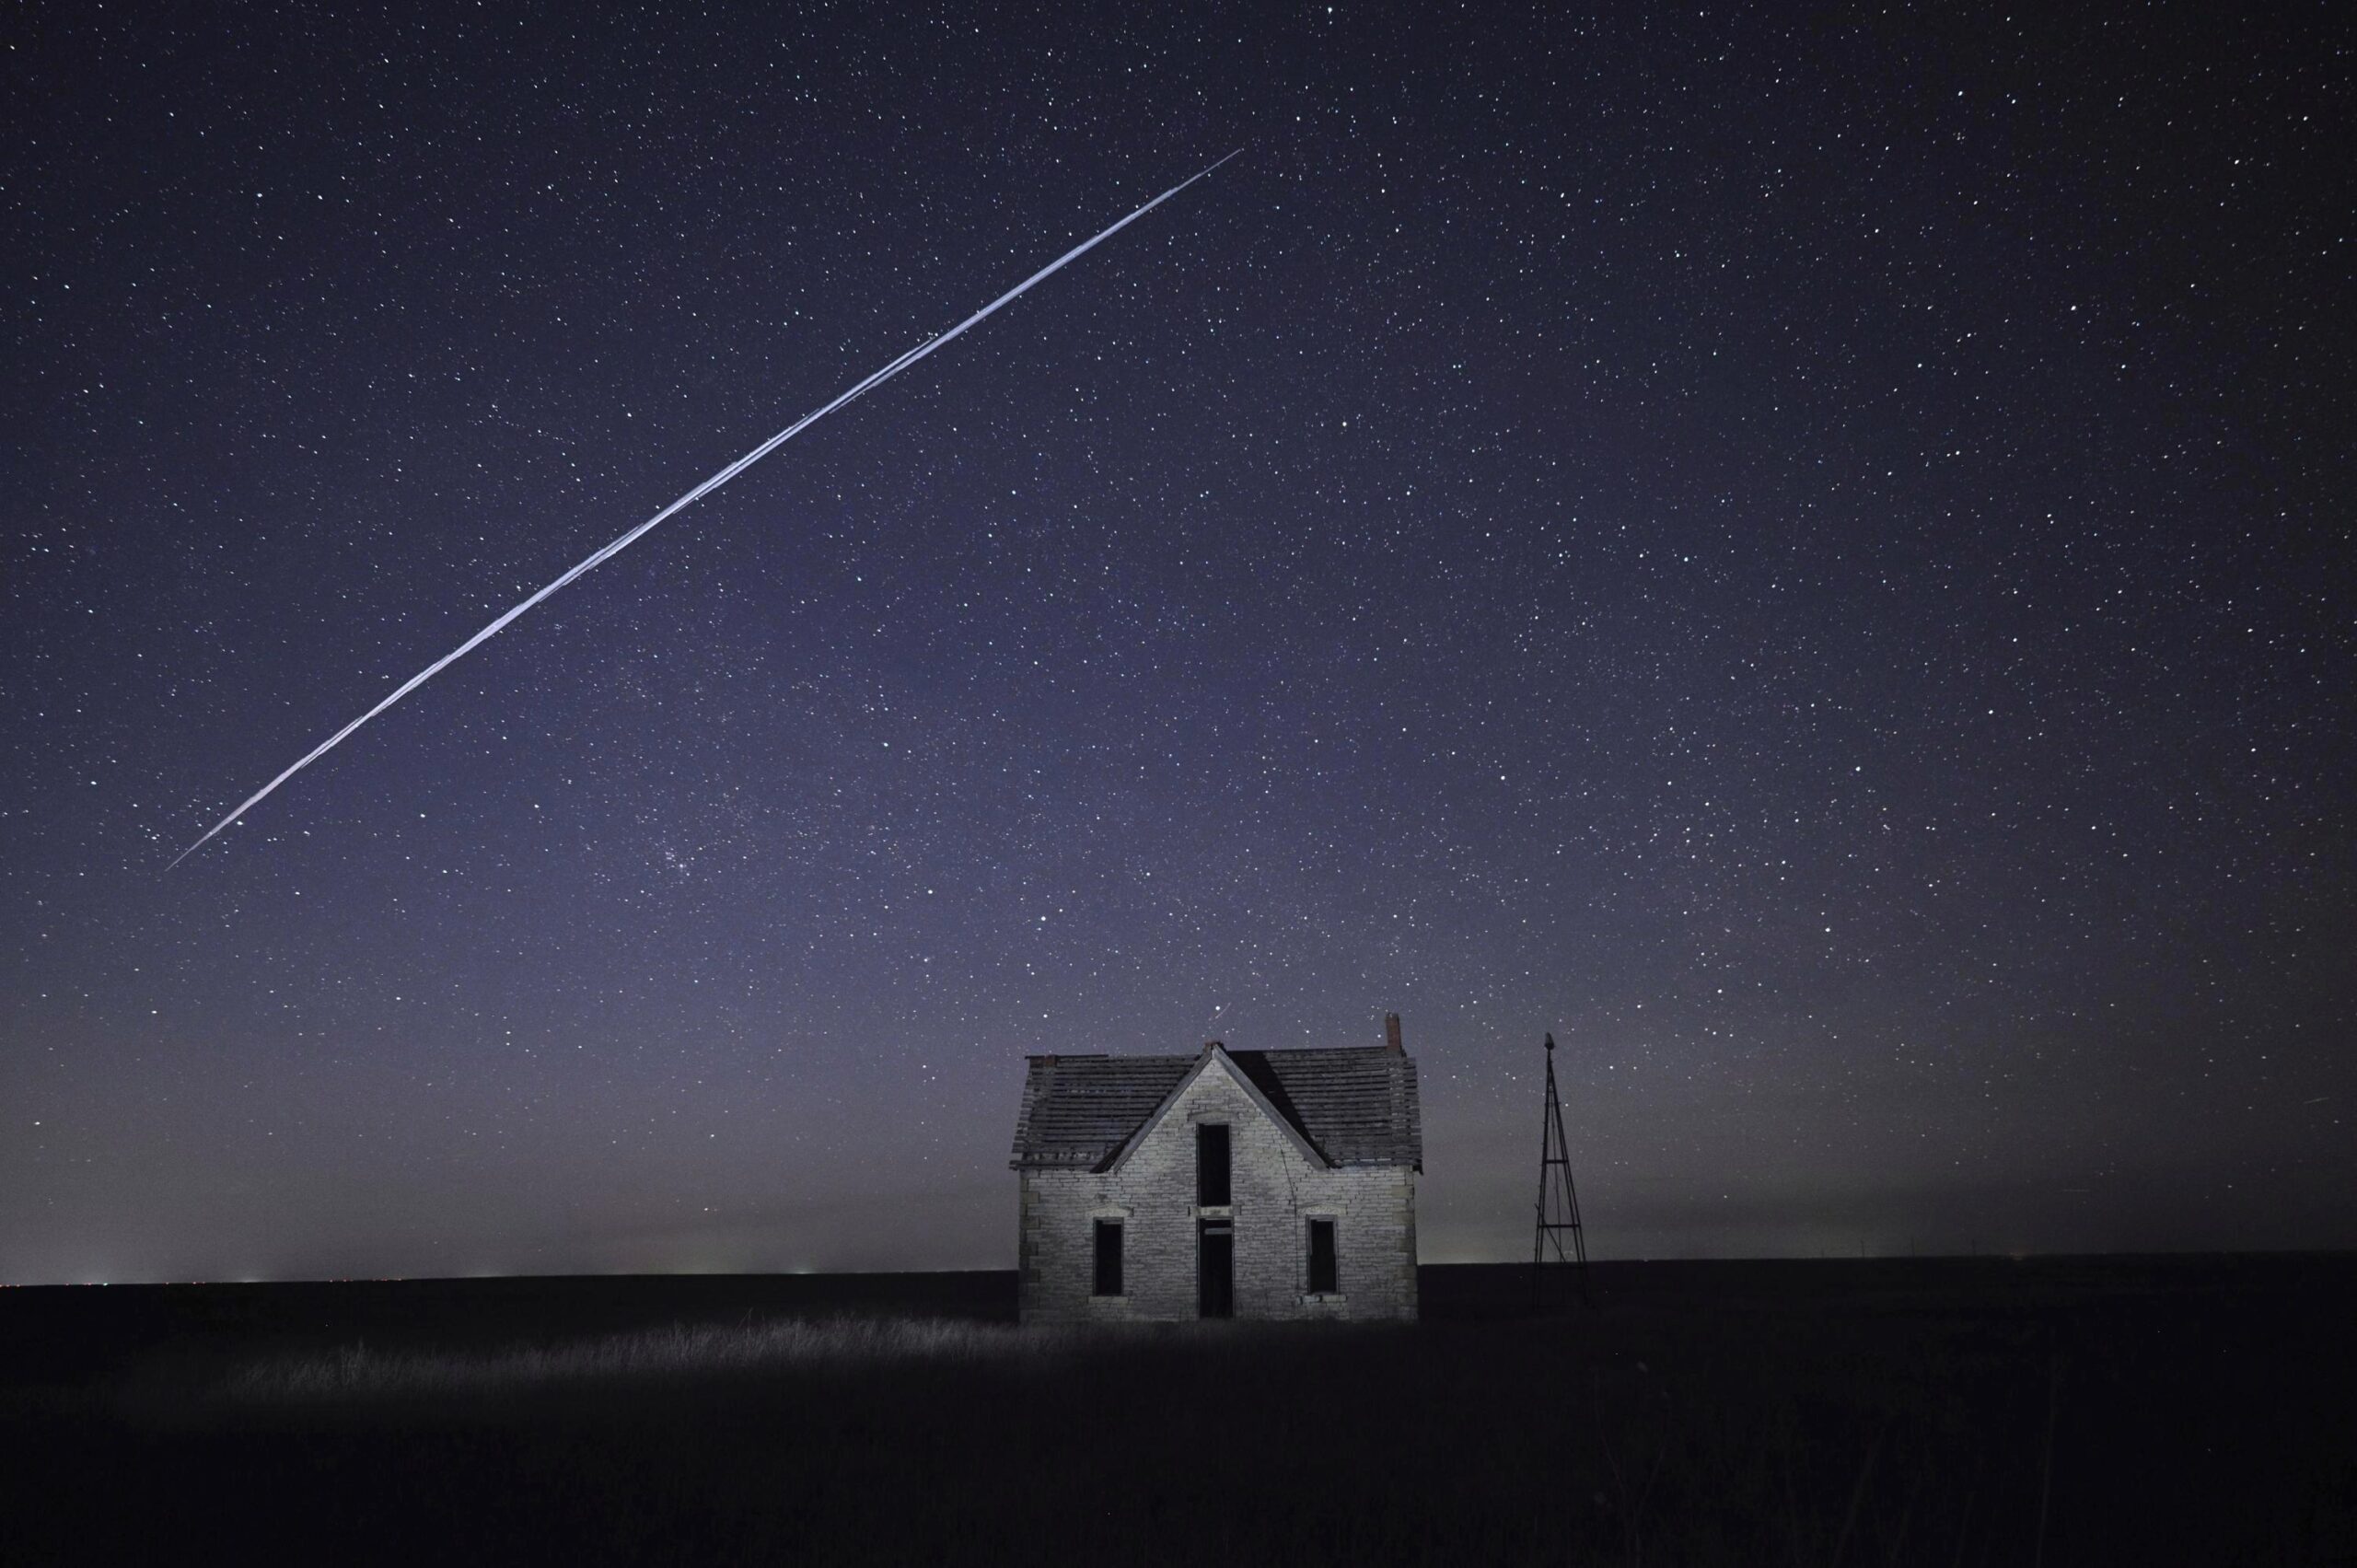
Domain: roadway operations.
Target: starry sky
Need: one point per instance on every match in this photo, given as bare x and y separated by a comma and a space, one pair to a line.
1805, 552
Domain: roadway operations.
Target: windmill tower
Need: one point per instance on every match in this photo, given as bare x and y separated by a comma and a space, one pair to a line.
1558, 1203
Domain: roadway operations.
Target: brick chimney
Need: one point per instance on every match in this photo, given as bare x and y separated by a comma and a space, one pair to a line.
1391, 1035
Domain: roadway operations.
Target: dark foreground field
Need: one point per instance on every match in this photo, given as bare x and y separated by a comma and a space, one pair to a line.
2193, 1410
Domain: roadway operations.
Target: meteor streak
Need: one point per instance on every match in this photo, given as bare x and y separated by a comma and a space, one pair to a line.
698, 494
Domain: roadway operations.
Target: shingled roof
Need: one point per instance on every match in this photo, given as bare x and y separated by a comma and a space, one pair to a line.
1352, 1107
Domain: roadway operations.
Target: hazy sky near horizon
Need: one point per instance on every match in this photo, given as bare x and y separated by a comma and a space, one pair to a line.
1807, 557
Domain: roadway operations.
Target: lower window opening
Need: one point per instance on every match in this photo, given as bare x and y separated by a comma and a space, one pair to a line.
1109, 1259
1322, 1271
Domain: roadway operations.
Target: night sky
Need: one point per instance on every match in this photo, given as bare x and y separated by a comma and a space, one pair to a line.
1808, 556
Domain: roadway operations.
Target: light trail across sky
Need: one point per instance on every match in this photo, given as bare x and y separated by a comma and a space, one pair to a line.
607, 554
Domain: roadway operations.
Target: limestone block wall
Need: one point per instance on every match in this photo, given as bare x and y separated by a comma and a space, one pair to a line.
1276, 1189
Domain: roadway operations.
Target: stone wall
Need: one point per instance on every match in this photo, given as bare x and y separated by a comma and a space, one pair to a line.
1276, 1189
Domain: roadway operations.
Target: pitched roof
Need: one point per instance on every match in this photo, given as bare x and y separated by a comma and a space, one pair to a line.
1286, 1118
1353, 1106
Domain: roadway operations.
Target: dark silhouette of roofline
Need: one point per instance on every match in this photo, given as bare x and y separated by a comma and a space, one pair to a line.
1345, 1105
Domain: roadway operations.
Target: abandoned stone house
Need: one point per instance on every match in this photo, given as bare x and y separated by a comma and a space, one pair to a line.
1227, 1183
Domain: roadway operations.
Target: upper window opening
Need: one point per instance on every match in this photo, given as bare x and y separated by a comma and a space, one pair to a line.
1212, 1190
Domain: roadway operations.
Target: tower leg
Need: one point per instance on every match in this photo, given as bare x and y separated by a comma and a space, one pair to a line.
1558, 1203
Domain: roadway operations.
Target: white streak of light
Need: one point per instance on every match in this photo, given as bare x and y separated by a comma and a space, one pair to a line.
693, 497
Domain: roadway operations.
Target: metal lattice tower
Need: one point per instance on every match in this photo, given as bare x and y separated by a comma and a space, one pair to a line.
1559, 1201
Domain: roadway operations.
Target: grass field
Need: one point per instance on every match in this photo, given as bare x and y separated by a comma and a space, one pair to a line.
2194, 1410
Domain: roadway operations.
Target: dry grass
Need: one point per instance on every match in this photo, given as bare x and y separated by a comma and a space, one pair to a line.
1966, 1415
678, 1354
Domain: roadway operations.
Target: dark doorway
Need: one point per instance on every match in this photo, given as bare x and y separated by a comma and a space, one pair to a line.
1216, 1280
